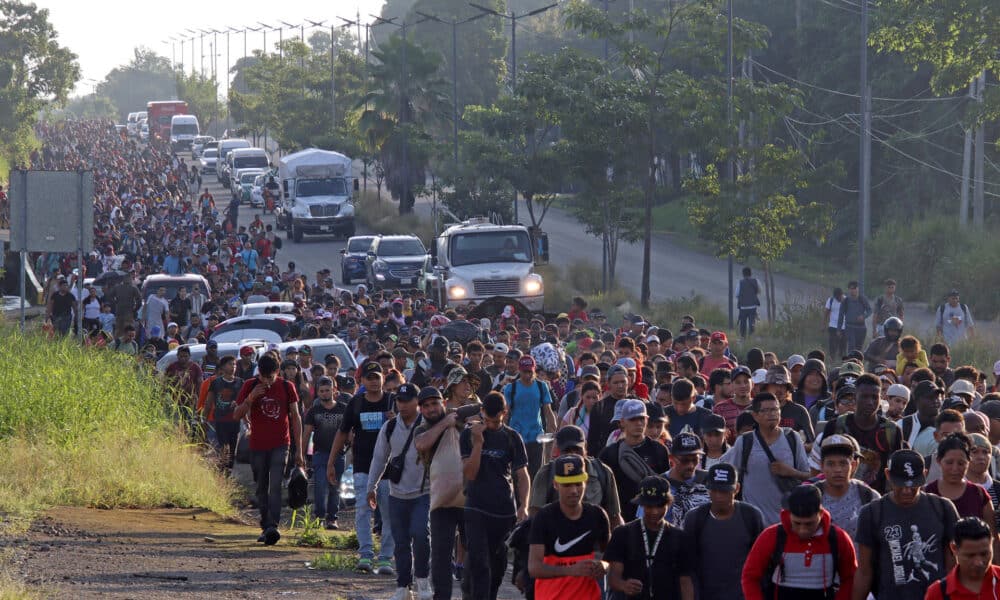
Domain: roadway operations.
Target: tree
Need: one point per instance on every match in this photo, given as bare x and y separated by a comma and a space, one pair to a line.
148, 76
92, 106
34, 69
406, 99
201, 95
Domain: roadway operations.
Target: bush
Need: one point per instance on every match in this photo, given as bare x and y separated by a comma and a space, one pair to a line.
383, 217
81, 427
931, 256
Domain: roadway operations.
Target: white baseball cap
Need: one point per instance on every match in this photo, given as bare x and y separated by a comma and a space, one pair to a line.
759, 376
898, 390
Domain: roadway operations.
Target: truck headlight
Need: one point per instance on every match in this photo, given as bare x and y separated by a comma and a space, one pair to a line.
533, 285
457, 292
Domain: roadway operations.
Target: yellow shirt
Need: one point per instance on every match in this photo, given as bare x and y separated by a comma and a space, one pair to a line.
920, 361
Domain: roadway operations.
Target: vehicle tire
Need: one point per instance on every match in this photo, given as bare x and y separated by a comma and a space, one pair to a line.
296, 234
344, 278
288, 230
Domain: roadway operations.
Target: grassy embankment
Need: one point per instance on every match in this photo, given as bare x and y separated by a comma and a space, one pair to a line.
79, 427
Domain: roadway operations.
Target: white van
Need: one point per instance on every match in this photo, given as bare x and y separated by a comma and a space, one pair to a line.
183, 130
225, 147
132, 123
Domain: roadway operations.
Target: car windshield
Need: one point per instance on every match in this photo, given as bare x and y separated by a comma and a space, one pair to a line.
403, 247
248, 177
211, 153
359, 245
321, 187
184, 128
491, 246
250, 162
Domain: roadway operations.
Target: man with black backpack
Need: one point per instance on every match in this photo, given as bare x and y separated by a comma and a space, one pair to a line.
804, 557
903, 537
409, 502
723, 532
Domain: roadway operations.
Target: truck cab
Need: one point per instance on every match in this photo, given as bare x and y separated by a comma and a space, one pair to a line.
476, 260
316, 194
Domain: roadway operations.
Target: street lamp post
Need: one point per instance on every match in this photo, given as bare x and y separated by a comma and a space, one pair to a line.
514, 18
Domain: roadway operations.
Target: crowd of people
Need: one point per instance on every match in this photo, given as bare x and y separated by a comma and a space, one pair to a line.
610, 460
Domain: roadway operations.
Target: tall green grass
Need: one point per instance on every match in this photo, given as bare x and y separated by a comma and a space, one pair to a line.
383, 216
81, 427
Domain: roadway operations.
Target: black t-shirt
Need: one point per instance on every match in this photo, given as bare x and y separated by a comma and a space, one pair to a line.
795, 416
694, 420
365, 419
655, 456
225, 397
492, 491
326, 423
673, 559
566, 538
180, 308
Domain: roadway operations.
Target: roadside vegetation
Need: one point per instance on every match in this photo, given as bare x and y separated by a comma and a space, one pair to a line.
80, 427
383, 216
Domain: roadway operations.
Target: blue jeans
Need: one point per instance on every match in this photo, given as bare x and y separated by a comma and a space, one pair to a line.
363, 519
326, 498
268, 466
409, 520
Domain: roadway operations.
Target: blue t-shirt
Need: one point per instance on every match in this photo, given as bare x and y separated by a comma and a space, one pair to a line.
526, 408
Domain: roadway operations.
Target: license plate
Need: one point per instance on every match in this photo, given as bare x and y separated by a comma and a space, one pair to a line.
406, 281
324, 228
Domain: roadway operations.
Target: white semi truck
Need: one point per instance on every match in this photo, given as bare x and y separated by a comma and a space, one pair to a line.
316, 194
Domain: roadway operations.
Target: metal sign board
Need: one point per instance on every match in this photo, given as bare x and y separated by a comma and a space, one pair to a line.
51, 211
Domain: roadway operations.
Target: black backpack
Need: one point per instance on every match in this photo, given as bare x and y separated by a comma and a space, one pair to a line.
748, 441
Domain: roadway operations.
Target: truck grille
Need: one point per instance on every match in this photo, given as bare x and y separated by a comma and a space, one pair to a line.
405, 272
497, 287
324, 210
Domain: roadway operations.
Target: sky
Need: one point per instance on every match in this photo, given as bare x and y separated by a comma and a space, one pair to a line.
103, 33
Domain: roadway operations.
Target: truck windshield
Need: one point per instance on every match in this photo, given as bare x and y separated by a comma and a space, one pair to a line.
321, 187
250, 162
185, 129
490, 246
359, 245
407, 247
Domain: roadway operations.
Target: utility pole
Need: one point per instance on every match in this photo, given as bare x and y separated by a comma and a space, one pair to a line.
605, 237
729, 121
865, 164
978, 190
963, 208
333, 86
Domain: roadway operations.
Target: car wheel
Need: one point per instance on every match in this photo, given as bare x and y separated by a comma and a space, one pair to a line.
344, 278
288, 229
296, 234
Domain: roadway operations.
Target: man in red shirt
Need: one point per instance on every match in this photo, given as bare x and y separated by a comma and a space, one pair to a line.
716, 357
973, 576
272, 403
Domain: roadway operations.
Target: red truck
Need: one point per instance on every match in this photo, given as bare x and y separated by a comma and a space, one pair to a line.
158, 115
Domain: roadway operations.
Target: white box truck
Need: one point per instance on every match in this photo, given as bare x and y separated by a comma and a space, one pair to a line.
316, 194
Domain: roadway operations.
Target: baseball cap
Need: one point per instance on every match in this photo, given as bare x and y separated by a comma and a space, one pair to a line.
407, 392
306, 350
981, 441
686, 444
759, 376
898, 390
906, 469
953, 292
617, 370
850, 369
526, 363
714, 422
719, 336
795, 360
854, 355
626, 362
428, 392
569, 468
778, 375
927, 388
291, 350
655, 412
961, 386
633, 408
440, 343
371, 368
590, 371
741, 370
212, 344
652, 338
653, 491
456, 375
846, 390
501, 348
171, 324
722, 477
838, 441
804, 500
246, 351
570, 436
990, 408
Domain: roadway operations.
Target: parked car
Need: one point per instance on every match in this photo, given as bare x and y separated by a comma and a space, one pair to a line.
258, 308
257, 190
272, 328
209, 160
353, 256
144, 132
244, 187
174, 282
198, 145
323, 347
395, 261
198, 352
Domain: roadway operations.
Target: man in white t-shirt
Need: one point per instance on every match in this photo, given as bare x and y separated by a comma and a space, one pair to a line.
837, 342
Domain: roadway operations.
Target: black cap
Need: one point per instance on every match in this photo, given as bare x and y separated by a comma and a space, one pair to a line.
590, 371
569, 468
346, 381
906, 469
927, 388
857, 355
407, 392
741, 370
714, 422
440, 343
428, 392
653, 491
371, 367
570, 436
654, 411
804, 500
722, 477
686, 444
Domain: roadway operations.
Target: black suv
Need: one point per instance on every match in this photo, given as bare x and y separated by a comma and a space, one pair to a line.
395, 262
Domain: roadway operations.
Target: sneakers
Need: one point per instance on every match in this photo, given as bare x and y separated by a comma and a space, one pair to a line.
402, 594
271, 536
364, 565
384, 567
332, 524
424, 591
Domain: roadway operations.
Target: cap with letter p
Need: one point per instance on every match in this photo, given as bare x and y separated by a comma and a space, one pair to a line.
569, 468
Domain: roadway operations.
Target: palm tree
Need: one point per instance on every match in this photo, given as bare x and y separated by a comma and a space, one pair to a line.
407, 99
